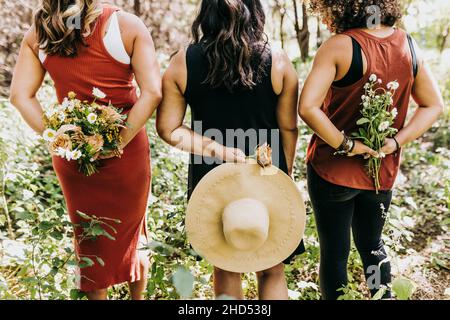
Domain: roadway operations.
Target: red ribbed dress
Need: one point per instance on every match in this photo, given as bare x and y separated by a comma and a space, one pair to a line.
121, 189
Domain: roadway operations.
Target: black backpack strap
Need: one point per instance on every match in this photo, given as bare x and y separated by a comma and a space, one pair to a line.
415, 63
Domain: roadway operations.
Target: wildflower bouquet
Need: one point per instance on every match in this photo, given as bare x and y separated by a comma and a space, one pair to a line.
82, 131
378, 115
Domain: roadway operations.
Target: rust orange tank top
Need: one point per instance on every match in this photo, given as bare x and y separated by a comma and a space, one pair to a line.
390, 59
93, 67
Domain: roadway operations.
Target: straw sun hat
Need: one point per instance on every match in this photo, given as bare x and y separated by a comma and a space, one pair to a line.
245, 218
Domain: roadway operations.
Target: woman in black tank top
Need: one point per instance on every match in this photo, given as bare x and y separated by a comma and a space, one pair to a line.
241, 95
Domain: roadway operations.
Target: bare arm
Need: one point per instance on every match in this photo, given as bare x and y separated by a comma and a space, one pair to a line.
171, 113
148, 78
314, 92
427, 95
27, 79
287, 108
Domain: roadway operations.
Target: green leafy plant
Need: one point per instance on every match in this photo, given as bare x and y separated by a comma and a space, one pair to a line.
378, 115
403, 288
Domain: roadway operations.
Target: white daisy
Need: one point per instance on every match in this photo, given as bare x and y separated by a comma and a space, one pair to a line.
65, 104
91, 118
71, 106
76, 154
62, 116
98, 93
383, 126
49, 135
394, 113
373, 77
69, 155
50, 112
61, 152
393, 85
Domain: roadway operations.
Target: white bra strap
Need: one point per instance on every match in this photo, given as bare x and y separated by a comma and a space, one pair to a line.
42, 55
113, 41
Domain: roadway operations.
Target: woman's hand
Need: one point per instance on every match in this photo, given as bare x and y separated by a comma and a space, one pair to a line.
112, 154
232, 155
361, 149
389, 146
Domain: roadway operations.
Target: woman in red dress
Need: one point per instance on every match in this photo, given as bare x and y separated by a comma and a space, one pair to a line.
105, 49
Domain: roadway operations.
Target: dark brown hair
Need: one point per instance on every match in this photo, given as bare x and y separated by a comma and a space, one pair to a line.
342, 15
61, 25
232, 35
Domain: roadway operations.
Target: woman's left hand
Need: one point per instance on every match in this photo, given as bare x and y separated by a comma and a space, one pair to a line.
111, 155
389, 146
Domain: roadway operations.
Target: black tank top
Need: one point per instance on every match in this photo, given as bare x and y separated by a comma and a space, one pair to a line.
356, 71
245, 113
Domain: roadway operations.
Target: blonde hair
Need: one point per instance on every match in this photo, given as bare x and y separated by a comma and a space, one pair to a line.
61, 25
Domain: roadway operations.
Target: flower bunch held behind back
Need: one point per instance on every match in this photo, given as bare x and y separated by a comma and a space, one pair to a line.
82, 131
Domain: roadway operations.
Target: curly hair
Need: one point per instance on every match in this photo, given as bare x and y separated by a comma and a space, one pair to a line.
56, 31
342, 15
232, 35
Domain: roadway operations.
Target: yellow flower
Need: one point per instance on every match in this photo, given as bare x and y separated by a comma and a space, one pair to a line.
71, 95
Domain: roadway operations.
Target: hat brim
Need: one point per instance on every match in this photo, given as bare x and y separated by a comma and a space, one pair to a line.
231, 182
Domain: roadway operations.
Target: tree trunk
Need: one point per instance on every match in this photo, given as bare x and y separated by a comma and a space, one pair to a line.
302, 34
282, 16
137, 7
279, 11
318, 35
442, 38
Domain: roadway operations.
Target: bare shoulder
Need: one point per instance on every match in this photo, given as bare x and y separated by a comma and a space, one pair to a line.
31, 39
178, 60
176, 71
335, 46
280, 60
283, 71
130, 23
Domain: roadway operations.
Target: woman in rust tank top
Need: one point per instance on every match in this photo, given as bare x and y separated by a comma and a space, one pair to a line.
342, 193
77, 59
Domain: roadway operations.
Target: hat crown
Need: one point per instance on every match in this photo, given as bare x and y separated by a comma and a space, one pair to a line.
246, 224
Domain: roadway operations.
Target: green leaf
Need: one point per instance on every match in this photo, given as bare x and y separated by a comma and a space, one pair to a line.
183, 281
56, 235
84, 215
97, 230
100, 261
379, 294
45, 226
86, 262
23, 215
74, 294
403, 288
362, 121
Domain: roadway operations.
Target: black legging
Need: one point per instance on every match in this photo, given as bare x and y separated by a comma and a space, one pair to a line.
338, 210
